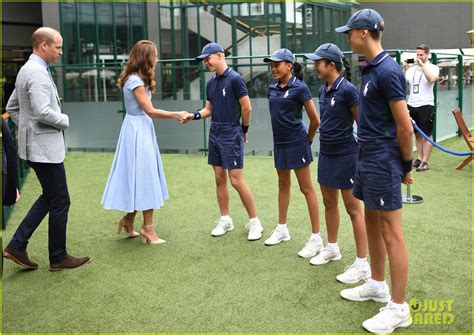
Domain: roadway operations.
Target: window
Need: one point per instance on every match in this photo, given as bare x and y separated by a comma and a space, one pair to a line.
97, 39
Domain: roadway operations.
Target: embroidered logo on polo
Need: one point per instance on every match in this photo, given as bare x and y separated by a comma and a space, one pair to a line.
286, 94
366, 88
333, 101
223, 92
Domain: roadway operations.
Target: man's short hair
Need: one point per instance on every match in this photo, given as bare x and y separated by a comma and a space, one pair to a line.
423, 47
376, 34
43, 34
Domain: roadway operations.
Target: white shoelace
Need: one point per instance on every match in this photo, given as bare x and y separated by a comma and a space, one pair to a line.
327, 253
221, 224
381, 316
251, 226
275, 232
310, 241
353, 265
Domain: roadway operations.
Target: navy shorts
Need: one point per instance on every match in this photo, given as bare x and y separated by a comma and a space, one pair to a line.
337, 171
378, 176
226, 146
292, 156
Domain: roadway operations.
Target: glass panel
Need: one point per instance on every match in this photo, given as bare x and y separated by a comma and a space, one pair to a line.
98, 82
138, 28
68, 31
121, 21
87, 32
467, 91
171, 136
106, 28
447, 97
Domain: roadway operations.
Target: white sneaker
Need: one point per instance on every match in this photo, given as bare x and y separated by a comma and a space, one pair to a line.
255, 230
277, 236
312, 247
223, 226
366, 292
325, 256
353, 273
388, 319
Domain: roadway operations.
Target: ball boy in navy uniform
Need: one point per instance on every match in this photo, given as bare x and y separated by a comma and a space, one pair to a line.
338, 107
292, 145
227, 102
385, 161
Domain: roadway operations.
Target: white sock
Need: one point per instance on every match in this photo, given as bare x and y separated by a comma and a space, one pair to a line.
376, 284
316, 235
361, 261
333, 246
282, 227
255, 219
400, 307
225, 218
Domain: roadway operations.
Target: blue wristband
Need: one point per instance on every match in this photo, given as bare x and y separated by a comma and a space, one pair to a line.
197, 116
245, 129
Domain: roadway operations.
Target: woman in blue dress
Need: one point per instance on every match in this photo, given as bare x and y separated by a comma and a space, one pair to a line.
136, 181
338, 106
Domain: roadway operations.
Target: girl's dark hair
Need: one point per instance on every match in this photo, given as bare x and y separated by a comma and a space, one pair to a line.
347, 68
298, 70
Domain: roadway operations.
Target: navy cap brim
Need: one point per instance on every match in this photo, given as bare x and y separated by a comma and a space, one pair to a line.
275, 59
343, 29
312, 56
272, 59
201, 57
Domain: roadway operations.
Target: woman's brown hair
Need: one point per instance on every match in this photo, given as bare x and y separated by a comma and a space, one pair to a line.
142, 61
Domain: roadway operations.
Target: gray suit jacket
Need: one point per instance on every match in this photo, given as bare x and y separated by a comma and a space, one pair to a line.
35, 108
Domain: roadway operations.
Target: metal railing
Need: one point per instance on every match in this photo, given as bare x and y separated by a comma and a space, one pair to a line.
454, 88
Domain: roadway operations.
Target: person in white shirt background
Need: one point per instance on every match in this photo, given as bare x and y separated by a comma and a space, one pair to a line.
421, 77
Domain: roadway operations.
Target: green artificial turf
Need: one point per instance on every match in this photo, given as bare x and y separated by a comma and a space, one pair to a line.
198, 283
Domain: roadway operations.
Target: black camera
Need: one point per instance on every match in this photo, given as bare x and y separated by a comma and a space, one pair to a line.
410, 60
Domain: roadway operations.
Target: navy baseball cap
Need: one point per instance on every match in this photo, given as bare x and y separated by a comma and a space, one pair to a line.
327, 51
209, 49
363, 19
281, 55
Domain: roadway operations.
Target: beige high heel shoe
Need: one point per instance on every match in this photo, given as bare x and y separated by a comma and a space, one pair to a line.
128, 230
147, 239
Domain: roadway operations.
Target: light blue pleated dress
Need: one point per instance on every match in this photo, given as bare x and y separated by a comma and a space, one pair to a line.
136, 180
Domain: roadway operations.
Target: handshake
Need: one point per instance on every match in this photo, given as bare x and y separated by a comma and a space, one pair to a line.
183, 117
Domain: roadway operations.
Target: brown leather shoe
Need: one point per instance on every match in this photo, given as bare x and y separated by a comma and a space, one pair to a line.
20, 257
69, 262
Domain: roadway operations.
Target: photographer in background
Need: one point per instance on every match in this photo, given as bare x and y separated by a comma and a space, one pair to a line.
421, 76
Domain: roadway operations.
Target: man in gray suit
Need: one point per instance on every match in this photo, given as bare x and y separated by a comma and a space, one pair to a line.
35, 108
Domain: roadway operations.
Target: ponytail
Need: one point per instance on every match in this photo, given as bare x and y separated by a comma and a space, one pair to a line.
347, 72
347, 68
298, 71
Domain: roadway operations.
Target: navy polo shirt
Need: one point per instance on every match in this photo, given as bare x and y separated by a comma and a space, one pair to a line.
224, 92
383, 81
336, 116
286, 110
